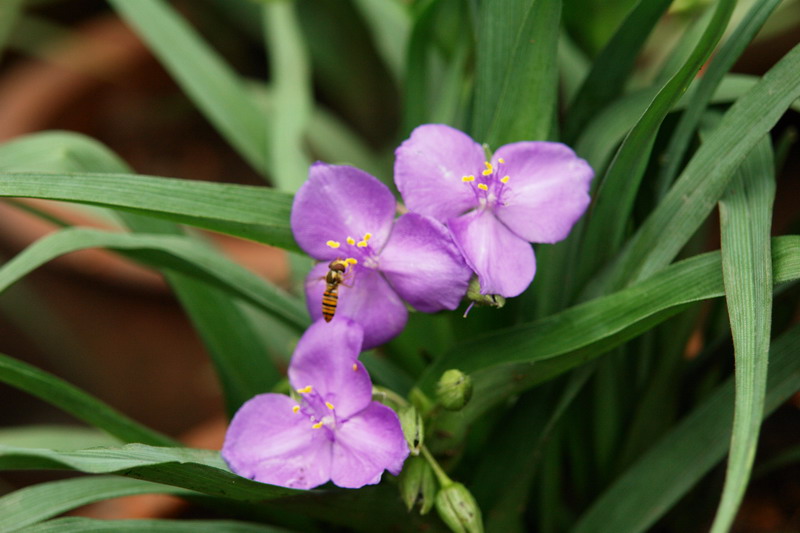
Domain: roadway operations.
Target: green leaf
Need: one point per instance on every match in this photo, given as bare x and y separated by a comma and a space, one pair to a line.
707, 175
90, 525
389, 24
722, 62
745, 221
515, 87
616, 193
256, 213
203, 75
507, 361
39, 502
291, 95
56, 437
74, 401
649, 488
9, 13
198, 470
164, 251
609, 74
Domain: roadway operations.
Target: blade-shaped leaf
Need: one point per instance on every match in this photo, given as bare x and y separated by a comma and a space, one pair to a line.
56, 437
199, 470
163, 251
515, 87
256, 213
649, 488
74, 401
707, 175
46, 500
507, 361
90, 525
745, 221
204, 76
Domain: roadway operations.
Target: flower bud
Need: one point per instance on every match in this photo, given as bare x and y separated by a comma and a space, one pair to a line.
458, 509
417, 484
454, 390
413, 430
487, 300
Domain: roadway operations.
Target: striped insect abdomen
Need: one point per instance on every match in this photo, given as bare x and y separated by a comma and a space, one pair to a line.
330, 298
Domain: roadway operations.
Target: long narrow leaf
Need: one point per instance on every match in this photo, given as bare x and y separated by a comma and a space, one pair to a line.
614, 199
515, 87
257, 213
204, 76
90, 525
199, 470
164, 251
661, 477
745, 220
76, 402
39, 502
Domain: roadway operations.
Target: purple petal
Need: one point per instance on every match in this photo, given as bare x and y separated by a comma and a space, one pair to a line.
503, 261
339, 202
366, 445
366, 298
268, 442
547, 191
423, 264
428, 169
324, 359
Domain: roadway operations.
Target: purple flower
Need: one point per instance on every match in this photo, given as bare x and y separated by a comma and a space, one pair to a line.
528, 192
335, 432
343, 213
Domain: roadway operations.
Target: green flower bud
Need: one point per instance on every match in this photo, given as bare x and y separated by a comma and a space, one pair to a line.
413, 430
488, 300
454, 390
418, 484
458, 509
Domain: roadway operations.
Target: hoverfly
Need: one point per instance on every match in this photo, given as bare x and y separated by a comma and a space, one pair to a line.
334, 278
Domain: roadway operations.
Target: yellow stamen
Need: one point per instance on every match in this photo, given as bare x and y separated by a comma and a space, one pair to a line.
467, 179
351, 241
355, 367
505, 179
501, 160
483, 187
305, 390
329, 405
362, 244
333, 244
489, 169
296, 408
317, 425
351, 261
367, 236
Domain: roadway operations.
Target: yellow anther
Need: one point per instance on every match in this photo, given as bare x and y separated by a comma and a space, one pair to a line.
351, 261
362, 244
483, 187
333, 244
317, 425
489, 169
296, 408
305, 390
467, 179
351, 241
505, 179
501, 160
367, 236
329, 405
355, 367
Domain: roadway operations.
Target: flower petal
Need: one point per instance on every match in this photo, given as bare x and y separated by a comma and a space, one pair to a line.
339, 202
423, 264
503, 261
324, 359
366, 445
428, 169
268, 442
366, 298
547, 191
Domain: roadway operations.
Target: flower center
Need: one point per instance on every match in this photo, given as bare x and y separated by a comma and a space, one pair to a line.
357, 252
320, 412
488, 188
